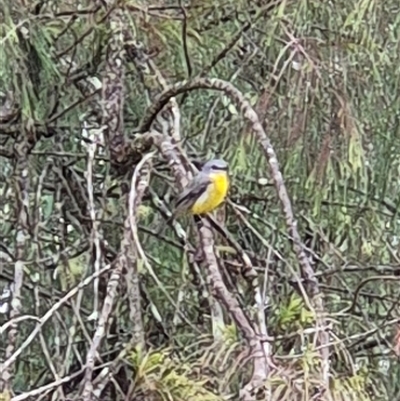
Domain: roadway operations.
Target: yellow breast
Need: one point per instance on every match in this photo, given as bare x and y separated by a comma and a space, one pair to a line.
214, 195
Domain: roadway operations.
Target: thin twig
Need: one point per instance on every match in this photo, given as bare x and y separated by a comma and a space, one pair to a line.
21, 188
107, 305
131, 239
95, 222
50, 313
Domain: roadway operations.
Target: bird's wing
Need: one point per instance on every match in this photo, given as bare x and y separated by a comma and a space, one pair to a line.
192, 192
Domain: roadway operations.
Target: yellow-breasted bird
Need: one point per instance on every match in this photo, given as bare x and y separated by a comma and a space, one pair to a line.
206, 191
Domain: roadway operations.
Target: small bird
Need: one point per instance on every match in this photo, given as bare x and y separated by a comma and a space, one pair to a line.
206, 191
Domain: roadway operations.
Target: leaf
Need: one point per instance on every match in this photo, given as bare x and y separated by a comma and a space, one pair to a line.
79, 265
232, 109
195, 35
47, 206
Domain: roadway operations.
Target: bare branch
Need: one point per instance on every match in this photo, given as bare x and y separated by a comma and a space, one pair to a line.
21, 188
140, 181
87, 392
95, 240
269, 152
259, 351
50, 313
113, 87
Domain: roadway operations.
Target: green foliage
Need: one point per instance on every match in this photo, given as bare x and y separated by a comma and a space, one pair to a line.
324, 79
294, 314
158, 375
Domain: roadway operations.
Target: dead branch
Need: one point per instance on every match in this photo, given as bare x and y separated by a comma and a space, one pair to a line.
95, 234
121, 264
50, 313
21, 188
140, 182
269, 152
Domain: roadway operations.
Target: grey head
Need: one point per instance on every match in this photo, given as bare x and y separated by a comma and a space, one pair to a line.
215, 166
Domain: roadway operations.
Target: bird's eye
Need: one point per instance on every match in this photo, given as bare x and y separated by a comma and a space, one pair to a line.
221, 168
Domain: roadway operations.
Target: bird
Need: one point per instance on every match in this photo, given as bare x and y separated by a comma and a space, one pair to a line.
207, 190
204, 193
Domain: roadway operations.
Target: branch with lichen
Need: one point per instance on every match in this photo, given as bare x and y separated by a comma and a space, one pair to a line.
137, 189
258, 350
312, 286
21, 187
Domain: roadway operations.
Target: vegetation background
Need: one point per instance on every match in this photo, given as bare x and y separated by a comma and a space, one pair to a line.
108, 305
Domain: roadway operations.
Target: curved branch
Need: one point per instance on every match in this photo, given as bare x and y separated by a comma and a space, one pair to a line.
250, 114
312, 286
